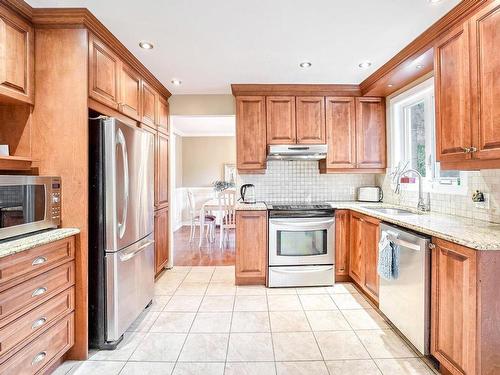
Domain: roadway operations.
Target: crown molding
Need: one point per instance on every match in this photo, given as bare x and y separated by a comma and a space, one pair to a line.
295, 89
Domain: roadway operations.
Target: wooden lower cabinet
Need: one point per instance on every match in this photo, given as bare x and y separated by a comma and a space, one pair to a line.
342, 221
364, 238
161, 239
251, 247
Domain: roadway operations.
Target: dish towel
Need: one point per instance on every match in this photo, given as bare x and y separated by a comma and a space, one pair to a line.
388, 258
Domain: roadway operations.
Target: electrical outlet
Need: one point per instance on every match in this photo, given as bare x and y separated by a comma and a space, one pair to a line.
484, 205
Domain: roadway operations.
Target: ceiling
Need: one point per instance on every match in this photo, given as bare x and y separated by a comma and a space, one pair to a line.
210, 44
204, 126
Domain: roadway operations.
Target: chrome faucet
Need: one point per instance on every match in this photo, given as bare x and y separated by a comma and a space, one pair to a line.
422, 206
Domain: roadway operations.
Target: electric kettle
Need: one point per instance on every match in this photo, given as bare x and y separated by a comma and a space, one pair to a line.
247, 192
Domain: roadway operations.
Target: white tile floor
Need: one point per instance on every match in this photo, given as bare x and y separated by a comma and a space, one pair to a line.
200, 323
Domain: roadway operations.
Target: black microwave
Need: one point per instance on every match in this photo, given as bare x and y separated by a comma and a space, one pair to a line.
29, 204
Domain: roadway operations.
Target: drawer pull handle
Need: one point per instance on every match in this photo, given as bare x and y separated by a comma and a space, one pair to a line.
38, 260
38, 291
38, 358
39, 322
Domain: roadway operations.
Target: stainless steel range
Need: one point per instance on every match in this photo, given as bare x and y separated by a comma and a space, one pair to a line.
301, 245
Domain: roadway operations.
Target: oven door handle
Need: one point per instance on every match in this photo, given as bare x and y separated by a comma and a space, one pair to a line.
309, 270
302, 224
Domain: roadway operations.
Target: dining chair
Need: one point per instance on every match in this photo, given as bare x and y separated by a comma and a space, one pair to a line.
195, 220
227, 209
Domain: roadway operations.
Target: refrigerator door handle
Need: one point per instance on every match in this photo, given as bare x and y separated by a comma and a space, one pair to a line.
120, 140
132, 254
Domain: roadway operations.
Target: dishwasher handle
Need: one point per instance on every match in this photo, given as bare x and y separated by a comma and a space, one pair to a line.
397, 241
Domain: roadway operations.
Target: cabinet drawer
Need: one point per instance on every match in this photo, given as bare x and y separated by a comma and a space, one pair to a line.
36, 260
36, 290
43, 351
36, 321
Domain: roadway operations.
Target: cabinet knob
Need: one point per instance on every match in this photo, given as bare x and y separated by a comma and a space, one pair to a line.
432, 246
39, 322
38, 291
38, 260
38, 358
466, 150
473, 149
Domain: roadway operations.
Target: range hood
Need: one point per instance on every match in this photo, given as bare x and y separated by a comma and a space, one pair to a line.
296, 152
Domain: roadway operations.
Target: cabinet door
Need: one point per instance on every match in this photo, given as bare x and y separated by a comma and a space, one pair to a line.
341, 133
250, 133
310, 117
130, 94
104, 73
370, 238
356, 254
485, 73
342, 219
280, 113
161, 239
453, 307
149, 106
251, 247
370, 133
16, 57
161, 172
163, 113
452, 90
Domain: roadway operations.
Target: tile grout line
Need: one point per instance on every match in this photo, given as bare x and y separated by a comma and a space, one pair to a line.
271, 331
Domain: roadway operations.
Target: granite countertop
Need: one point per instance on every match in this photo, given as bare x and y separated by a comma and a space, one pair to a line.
259, 206
476, 234
37, 239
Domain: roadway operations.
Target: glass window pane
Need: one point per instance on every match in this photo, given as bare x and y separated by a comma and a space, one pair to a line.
417, 137
292, 243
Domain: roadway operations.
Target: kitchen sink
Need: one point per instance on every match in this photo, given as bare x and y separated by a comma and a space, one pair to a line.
391, 211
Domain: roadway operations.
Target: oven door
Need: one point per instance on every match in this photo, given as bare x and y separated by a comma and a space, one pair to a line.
301, 241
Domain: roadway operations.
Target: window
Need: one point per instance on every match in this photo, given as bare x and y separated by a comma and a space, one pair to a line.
413, 138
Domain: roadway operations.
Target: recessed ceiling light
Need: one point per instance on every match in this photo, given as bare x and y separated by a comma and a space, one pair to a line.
420, 66
434, 1
390, 85
305, 64
176, 82
365, 64
146, 45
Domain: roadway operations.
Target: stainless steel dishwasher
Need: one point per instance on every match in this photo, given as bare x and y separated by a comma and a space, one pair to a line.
406, 300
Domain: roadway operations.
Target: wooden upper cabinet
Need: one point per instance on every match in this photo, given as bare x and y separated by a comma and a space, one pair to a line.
251, 247
452, 95
342, 219
161, 173
341, 133
250, 133
130, 94
453, 306
280, 111
163, 113
310, 120
370, 133
16, 58
149, 106
356, 254
104, 73
485, 79
161, 239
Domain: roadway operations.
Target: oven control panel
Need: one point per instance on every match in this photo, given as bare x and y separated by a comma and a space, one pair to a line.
55, 200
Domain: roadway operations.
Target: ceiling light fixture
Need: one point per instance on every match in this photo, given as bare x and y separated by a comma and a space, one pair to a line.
365, 64
176, 82
146, 45
305, 64
434, 1
390, 85
420, 66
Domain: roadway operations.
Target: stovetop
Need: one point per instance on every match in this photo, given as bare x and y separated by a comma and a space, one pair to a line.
298, 206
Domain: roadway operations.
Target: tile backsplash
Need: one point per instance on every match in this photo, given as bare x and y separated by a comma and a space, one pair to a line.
300, 181
486, 181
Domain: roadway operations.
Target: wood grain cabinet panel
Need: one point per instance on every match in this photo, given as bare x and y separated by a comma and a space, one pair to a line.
163, 115
452, 95
130, 94
310, 120
251, 247
161, 239
342, 220
356, 254
16, 58
453, 336
370, 133
485, 80
370, 239
280, 112
250, 133
161, 172
104, 73
341, 133
149, 106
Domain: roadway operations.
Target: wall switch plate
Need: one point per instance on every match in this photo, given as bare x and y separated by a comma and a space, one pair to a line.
484, 205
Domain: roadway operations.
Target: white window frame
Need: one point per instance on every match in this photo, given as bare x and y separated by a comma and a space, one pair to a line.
400, 144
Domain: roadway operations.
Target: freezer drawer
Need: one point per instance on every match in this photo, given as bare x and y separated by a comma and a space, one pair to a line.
129, 285
296, 276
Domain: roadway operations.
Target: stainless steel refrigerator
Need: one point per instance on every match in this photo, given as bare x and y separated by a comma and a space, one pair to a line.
121, 228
